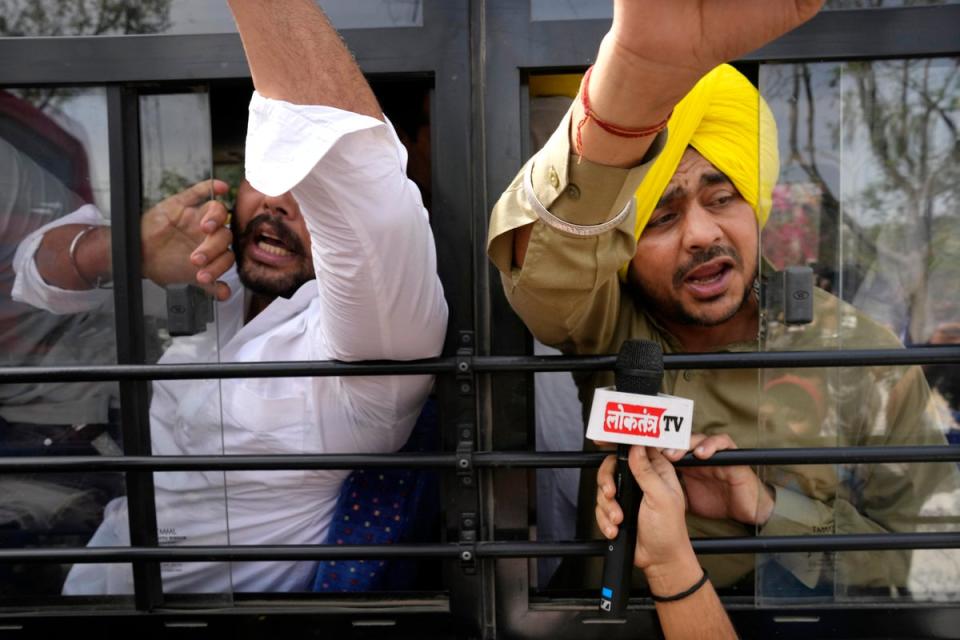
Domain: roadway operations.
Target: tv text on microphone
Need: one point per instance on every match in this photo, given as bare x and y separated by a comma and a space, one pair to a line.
660, 421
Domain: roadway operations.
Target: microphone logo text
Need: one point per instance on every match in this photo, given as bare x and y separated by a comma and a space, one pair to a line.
632, 419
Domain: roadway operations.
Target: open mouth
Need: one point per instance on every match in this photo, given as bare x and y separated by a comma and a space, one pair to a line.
711, 272
710, 279
272, 245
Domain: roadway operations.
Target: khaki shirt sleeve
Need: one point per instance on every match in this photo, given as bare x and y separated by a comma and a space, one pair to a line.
567, 291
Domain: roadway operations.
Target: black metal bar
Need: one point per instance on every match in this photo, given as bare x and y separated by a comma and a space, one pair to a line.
493, 549
750, 360
189, 57
228, 463
226, 370
123, 111
856, 34
757, 544
831, 35
806, 455
481, 364
480, 459
87, 555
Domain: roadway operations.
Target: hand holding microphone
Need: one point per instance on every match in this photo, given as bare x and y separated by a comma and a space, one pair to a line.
663, 544
630, 410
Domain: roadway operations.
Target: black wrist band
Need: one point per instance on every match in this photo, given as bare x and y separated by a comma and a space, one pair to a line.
683, 594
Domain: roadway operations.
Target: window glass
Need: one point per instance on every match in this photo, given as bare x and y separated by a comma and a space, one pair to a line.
882, 4
542, 10
569, 9
88, 18
601, 9
182, 146
53, 177
867, 200
558, 412
181, 327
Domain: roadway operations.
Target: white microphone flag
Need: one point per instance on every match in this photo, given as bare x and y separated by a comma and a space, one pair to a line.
661, 421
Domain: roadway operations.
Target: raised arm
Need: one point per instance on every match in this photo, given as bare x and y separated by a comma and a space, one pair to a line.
317, 131
652, 56
295, 55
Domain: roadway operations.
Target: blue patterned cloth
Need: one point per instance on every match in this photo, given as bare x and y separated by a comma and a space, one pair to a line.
384, 506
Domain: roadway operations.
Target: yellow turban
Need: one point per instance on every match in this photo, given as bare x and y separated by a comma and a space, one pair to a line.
724, 118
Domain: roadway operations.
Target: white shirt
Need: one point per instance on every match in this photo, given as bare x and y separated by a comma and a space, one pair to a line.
376, 296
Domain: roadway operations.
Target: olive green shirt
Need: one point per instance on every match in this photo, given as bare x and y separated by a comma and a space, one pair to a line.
569, 295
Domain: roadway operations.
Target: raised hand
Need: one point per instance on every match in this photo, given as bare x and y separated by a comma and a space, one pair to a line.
693, 36
656, 51
733, 492
185, 239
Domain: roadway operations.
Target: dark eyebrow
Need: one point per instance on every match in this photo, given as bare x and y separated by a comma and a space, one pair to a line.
706, 180
714, 178
673, 193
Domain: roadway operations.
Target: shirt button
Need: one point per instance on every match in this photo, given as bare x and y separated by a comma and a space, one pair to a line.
688, 375
573, 192
554, 178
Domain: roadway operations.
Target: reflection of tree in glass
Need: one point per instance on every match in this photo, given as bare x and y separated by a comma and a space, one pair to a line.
806, 208
83, 17
79, 18
910, 110
170, 183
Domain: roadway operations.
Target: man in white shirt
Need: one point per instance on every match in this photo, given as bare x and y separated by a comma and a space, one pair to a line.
335, 260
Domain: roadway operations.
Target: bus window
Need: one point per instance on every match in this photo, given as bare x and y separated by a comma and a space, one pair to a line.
867, 200
54, 147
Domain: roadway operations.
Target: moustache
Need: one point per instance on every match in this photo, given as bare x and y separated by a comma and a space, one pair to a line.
703, 257
268, 222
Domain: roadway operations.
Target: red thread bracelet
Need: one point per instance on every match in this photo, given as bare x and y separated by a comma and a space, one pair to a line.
609, 127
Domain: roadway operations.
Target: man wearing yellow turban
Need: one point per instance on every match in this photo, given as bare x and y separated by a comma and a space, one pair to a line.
640, 218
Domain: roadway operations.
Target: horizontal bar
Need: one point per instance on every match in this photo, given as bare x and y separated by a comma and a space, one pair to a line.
71, 60
485, 459
756, 544
35, 464
749, 360
494, 549
315, 368
800, 455
90, 555
480, 364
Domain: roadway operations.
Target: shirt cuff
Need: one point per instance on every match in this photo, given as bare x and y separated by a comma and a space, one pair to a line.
796, 514
29, 287
286, 141
582, 192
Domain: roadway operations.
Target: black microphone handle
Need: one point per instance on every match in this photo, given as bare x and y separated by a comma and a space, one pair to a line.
618, 559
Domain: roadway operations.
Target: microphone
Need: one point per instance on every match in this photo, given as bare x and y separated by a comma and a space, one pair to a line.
639, 370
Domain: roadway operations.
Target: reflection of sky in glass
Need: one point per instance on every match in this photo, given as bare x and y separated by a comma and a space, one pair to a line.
570, 9
83, 114
175, 138
915, 167
875, 142
213, 16
603, 9
55, 18
825, 128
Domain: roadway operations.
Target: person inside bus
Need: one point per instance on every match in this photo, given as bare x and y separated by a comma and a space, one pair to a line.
334, 260
640, 218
